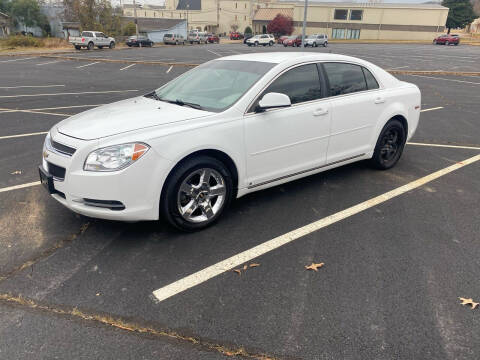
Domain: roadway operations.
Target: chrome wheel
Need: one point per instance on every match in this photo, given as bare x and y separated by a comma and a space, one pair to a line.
201, 195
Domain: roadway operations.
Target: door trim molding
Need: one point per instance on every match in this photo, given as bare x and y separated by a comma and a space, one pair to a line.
304, 171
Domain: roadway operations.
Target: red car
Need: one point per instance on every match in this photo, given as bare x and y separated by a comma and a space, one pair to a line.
281, 39
293, 41
212, 38
236, 36
447, 39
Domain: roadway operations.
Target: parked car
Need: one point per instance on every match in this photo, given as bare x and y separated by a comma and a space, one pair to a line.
236, 36
263, 39
174, 39
212, 38
197, 37
246, 37
140, 41
281, 39
185, 150
316, 40
447, 39
295, 41
90, 39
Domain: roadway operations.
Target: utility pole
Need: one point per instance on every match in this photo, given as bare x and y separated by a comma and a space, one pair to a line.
136, 18
304, 24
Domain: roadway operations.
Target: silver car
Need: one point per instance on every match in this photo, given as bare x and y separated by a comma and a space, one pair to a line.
174, 39
316, 40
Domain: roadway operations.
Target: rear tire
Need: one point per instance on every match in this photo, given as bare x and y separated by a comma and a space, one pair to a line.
315, 44
390, 144
447, 43
187, 175
434, 42
325, 44
90, 46
112, 45
270, 43
256, 43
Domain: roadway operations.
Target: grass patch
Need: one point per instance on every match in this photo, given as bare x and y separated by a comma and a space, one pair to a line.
30, 42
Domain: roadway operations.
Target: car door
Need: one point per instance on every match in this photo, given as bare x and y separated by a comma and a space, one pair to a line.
285, 141
357, 104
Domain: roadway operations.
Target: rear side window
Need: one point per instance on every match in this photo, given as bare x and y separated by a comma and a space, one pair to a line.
371, 81
300, 84
344, 78
87, 34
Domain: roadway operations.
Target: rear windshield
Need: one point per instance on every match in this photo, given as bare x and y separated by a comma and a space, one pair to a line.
87, 34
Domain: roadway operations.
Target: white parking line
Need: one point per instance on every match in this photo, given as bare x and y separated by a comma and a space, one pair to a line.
82, 66
73, 93
400, 67
126, 67
23, 135
169, 69
22, 186
29, 86
437, 78
5, 61
66, 107
215, 53
35, 112
432, 109
247, 255
50, 62
445, 146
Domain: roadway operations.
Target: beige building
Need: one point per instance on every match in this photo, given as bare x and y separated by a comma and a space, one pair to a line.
339, 20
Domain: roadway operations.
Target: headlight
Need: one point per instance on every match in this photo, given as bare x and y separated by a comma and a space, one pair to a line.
47, 143
114, 157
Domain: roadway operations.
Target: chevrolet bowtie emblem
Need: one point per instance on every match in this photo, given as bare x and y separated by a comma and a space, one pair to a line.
45, 155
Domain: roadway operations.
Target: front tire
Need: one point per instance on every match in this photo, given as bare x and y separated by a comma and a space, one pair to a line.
196, 193
390, 144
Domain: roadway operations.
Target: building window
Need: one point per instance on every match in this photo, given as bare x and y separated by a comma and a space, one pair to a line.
245, 18
338, 33
236, 6
341, 14
245, 5
236, 18
356, 14
145, 14
353, 34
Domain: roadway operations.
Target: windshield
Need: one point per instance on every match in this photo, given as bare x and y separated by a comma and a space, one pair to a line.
213, 86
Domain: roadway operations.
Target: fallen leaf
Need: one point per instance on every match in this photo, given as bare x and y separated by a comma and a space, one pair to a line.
245, 267
97, 294
238, 271
254, 265
16, 172
469, 302
314, 266
228, 353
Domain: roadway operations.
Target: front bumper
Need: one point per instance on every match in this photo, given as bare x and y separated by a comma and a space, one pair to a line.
130, 194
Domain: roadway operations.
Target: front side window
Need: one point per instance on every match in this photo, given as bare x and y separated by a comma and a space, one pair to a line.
340, 14
214, 86
301, 84
344, 78
356, 14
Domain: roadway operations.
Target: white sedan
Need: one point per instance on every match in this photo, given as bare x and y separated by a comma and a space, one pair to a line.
226, 128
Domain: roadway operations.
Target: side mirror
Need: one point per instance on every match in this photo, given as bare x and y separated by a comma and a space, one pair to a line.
273, 100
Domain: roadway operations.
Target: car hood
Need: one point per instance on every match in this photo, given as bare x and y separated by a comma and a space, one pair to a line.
126, 115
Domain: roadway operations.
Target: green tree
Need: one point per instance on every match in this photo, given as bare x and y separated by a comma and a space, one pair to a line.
26, 12
130, 29
5, 6
248, 30
460, 15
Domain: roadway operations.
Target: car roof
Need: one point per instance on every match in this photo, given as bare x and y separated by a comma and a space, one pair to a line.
281, 57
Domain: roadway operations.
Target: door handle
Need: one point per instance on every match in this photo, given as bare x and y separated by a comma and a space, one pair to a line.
379, 100
320, 112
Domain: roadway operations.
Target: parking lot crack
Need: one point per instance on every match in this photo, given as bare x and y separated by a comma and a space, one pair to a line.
117, 322
45, 254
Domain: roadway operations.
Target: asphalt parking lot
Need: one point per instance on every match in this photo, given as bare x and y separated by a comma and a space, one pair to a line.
394, 268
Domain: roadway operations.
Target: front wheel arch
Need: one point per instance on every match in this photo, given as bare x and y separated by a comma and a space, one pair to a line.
217, 154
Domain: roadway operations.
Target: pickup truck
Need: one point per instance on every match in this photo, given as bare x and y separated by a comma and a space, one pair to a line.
90, 39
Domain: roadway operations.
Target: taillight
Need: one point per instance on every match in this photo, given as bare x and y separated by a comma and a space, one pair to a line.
83, 39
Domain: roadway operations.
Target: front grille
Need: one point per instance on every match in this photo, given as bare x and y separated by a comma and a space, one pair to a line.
56, 171
63, 149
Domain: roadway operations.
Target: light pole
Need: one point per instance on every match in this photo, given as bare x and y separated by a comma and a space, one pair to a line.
136, 18
188, 7
304, 23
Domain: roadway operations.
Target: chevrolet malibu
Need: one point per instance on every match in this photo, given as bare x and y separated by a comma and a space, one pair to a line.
224, 129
